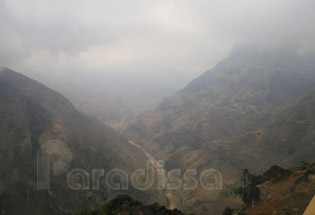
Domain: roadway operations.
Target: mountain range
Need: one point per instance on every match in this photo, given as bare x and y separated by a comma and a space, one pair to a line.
252, 110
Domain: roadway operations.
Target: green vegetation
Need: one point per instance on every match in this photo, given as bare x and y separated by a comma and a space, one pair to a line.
248, 191
123, 204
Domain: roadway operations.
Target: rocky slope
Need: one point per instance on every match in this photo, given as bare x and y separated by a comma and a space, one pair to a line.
32, 114
283, 194
247, 112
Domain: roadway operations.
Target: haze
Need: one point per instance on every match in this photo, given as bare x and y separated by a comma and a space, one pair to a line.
186, 37
199, 107
152, 47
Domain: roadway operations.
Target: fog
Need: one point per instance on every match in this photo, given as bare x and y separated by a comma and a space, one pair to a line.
178, 36
167, 43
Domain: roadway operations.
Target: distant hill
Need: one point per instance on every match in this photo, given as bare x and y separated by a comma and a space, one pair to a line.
32, 114
252, 110
108, 96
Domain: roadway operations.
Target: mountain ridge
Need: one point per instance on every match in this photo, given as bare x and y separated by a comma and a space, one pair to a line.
225, 119
32, 114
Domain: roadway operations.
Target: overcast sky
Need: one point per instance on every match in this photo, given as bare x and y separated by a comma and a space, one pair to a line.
141, 36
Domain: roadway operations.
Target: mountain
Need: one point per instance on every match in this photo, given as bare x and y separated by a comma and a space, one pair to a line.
31, 115
253, 109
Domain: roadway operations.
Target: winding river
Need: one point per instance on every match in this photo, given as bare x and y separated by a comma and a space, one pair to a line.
174, 203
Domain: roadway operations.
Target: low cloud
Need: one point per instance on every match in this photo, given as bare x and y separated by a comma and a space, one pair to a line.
179, 36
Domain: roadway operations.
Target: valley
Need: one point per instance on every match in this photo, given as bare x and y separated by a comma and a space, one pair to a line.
244, 113
32, 115
252, 110
148, 107
173, 202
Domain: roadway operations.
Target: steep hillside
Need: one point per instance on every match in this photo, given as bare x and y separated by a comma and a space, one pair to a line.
32, 114
239, 91
291, 134
290, 194
244, 113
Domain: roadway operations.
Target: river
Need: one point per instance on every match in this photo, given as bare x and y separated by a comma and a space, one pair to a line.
173, 201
